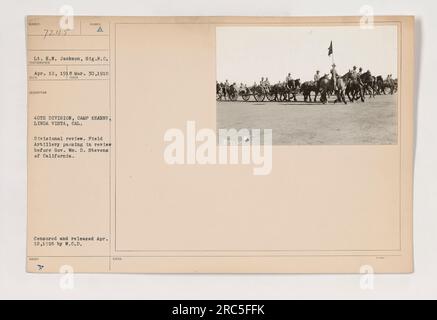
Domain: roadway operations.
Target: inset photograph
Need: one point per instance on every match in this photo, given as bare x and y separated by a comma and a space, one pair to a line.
311, 85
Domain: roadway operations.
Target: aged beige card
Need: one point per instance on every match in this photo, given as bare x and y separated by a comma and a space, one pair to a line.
220, 144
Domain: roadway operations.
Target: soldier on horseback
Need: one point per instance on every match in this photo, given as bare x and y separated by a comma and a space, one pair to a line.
288, 81
288, 78
334, 76
359, 73
354, 73
317, 76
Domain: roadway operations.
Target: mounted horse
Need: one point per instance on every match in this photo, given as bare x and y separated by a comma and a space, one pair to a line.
292, 88
232, 92
379, 85
279, 91
354, 89
307, 87
384, 86
390, 85
326, 86
218, 91
369, 82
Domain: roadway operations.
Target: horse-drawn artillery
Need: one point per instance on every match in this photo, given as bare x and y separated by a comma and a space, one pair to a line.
354, 88
232, 92
259, 93
276, 92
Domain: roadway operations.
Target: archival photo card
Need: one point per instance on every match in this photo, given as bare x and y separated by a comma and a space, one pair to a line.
220, 144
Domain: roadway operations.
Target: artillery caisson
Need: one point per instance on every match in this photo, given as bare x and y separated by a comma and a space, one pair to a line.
259, 93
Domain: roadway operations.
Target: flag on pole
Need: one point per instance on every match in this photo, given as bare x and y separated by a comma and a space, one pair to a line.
330, 50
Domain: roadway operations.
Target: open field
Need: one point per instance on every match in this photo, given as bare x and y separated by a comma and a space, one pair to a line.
371, 122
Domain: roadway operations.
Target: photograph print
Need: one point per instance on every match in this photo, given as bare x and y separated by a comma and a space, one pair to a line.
328, 85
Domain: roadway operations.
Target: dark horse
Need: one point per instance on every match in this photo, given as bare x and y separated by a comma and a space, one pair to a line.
324, 86
218, 91
308, 87
291, 89
285, 91
383, 85
278, 89
353, 88
379, 85
369, 82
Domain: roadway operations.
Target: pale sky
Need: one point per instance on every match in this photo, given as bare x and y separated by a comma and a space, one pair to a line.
245, 54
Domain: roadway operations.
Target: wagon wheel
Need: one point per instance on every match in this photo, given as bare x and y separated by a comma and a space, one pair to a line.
270, 95
218, 96
259, 94
234, 96
245, 95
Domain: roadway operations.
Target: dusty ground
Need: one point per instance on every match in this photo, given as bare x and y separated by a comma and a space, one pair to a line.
371, 122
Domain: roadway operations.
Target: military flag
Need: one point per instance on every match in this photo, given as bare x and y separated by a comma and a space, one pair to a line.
330, 50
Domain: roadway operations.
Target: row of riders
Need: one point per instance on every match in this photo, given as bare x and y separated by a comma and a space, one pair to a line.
355, 84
